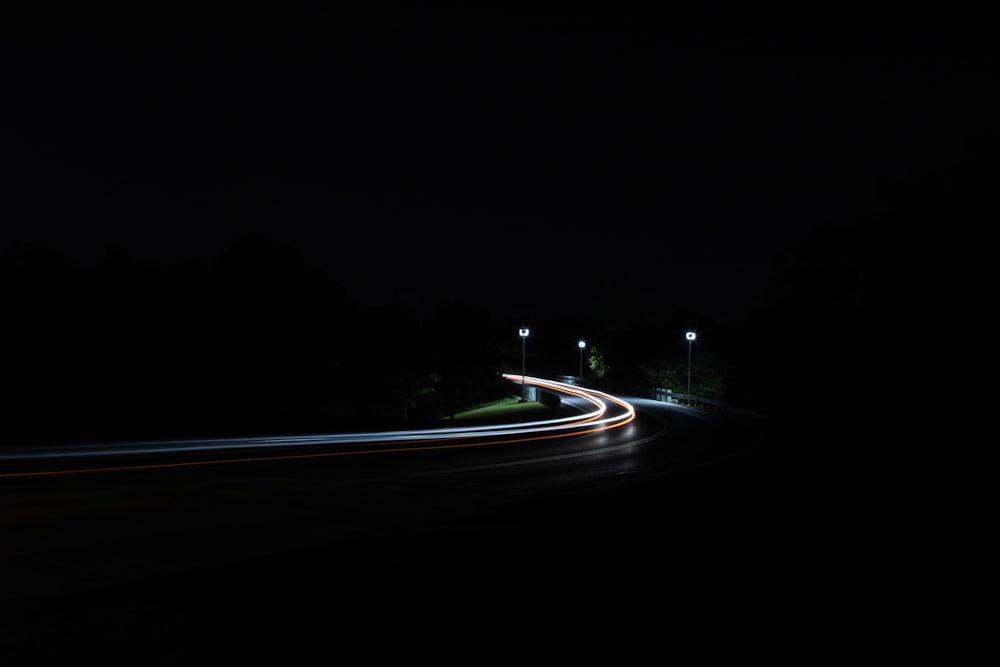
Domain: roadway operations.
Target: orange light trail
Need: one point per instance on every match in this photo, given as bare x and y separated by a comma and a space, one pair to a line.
385, 442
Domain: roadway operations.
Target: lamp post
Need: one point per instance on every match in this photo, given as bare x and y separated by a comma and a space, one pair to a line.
690, 338
524, 337
582, 344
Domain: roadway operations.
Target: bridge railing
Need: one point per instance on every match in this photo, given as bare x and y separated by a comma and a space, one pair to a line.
655, 393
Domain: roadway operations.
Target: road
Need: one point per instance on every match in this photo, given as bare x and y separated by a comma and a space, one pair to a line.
139, 532
675, 519
130, 509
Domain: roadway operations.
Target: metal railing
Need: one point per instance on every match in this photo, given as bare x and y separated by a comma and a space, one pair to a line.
654, 393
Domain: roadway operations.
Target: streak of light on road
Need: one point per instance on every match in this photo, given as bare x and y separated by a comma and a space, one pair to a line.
71, 458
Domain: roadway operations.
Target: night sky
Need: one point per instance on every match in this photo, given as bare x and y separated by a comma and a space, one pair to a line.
642, 166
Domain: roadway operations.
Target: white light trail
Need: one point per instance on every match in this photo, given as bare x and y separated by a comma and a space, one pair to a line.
587, 422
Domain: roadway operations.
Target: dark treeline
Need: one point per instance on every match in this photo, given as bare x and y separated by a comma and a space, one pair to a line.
876, 334
878, 331
254, 341
869, 324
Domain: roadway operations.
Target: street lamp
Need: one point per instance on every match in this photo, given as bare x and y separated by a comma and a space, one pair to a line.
690, 337
524, 337
581, 345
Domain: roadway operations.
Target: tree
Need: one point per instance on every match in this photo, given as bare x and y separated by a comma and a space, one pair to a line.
708, 375
596, 362
666, 374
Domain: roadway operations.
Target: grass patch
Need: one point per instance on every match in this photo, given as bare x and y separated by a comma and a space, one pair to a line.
510, 409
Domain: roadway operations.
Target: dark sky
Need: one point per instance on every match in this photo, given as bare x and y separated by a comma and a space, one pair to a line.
536, 166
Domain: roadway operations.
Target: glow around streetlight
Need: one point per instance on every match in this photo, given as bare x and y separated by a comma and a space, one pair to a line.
582, 344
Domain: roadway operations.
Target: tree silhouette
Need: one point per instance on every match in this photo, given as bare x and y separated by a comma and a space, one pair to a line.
870, 318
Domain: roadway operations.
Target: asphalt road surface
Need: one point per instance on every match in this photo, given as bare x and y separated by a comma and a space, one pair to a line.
703, 534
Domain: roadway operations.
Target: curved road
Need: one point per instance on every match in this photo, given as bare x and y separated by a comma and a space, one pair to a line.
156, 535
609, 534
122, 509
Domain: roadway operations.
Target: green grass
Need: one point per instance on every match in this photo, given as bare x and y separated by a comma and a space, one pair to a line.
509, 410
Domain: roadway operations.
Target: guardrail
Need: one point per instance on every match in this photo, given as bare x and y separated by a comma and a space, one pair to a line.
655, 393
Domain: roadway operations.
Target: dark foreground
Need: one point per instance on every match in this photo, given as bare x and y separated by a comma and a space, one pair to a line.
777, 556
